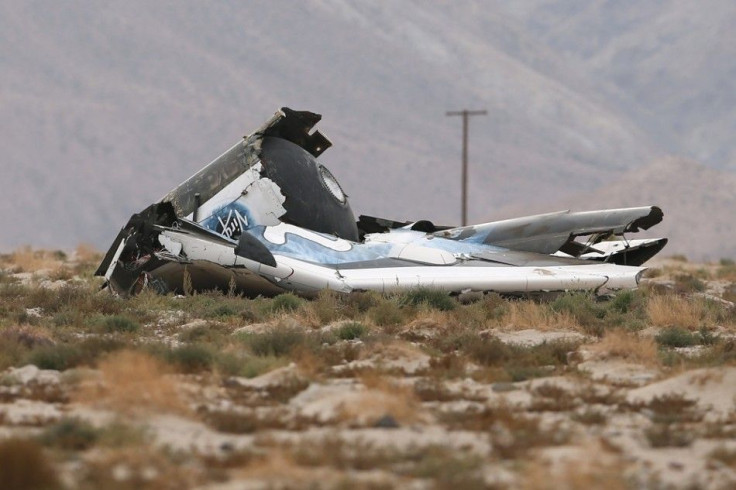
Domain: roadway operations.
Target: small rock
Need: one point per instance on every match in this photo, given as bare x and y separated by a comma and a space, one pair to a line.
503, 387
29, 372
386, 422
36, 312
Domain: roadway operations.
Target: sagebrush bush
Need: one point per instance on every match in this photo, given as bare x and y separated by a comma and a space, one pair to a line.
118, 324
277, 341
386, 313
285, 303
70, 434
581, 306
191, 358
686, 283
59, 357
432, 298
351, 331
676, 337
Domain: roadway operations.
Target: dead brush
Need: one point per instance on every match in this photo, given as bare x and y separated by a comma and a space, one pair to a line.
429, 325
669, 435
447, 366
724, 455
591, 394
25, 259
619, 343
250, 420
132, 382
512, 433
136, 468
517, 436
549, 397
336, 452
677, 311
674, 407
382, 397
590, 416
600, 470
444, 467
326, 308
529, 314
431, 390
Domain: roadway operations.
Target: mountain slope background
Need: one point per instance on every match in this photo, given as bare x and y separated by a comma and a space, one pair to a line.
104, 108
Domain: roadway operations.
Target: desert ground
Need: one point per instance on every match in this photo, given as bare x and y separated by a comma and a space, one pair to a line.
416, 390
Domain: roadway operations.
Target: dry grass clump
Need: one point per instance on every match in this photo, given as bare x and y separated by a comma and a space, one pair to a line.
550, 397
25, 259
381, 398
513, 434
601, 470
249, 420
671, 310
520, 362
326, 308
724, 455
135, 468
672, 415
388, 314
23, 466
674, 407
86, 253
619, 343
529, 314
444, 467
132, 382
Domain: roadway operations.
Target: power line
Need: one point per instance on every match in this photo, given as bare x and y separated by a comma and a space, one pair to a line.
465, 114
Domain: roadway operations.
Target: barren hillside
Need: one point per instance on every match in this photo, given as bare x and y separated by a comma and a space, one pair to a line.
697, 201
106, 107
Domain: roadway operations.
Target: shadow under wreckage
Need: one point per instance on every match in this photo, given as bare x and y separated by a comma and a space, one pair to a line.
266, 217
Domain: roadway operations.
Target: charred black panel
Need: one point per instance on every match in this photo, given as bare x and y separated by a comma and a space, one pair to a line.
296, 127
250, 248
309, 202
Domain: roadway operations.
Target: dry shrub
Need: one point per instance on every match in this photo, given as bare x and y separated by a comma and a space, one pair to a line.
528, 314
25, 259
601, 471
428, 325
132, 382
514, 435
724, 455
135, 468
677, 311
381, 397
27, 335
550, 397
87, 253
323, 310
619, 343
280, 470
23, 466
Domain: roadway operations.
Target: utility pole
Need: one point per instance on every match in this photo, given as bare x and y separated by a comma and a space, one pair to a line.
465, 113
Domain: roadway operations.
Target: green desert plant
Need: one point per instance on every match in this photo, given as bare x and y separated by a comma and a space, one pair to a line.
432, 298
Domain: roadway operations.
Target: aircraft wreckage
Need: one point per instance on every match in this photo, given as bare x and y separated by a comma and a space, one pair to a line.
266, 217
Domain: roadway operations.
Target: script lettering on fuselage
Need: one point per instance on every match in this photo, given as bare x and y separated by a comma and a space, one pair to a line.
233, 224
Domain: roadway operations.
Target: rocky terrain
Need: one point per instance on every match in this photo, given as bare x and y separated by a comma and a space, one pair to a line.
417, 390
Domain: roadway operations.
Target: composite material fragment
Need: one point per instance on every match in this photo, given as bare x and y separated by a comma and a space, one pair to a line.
267, 217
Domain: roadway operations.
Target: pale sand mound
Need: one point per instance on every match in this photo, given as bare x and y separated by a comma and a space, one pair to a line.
713, 389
